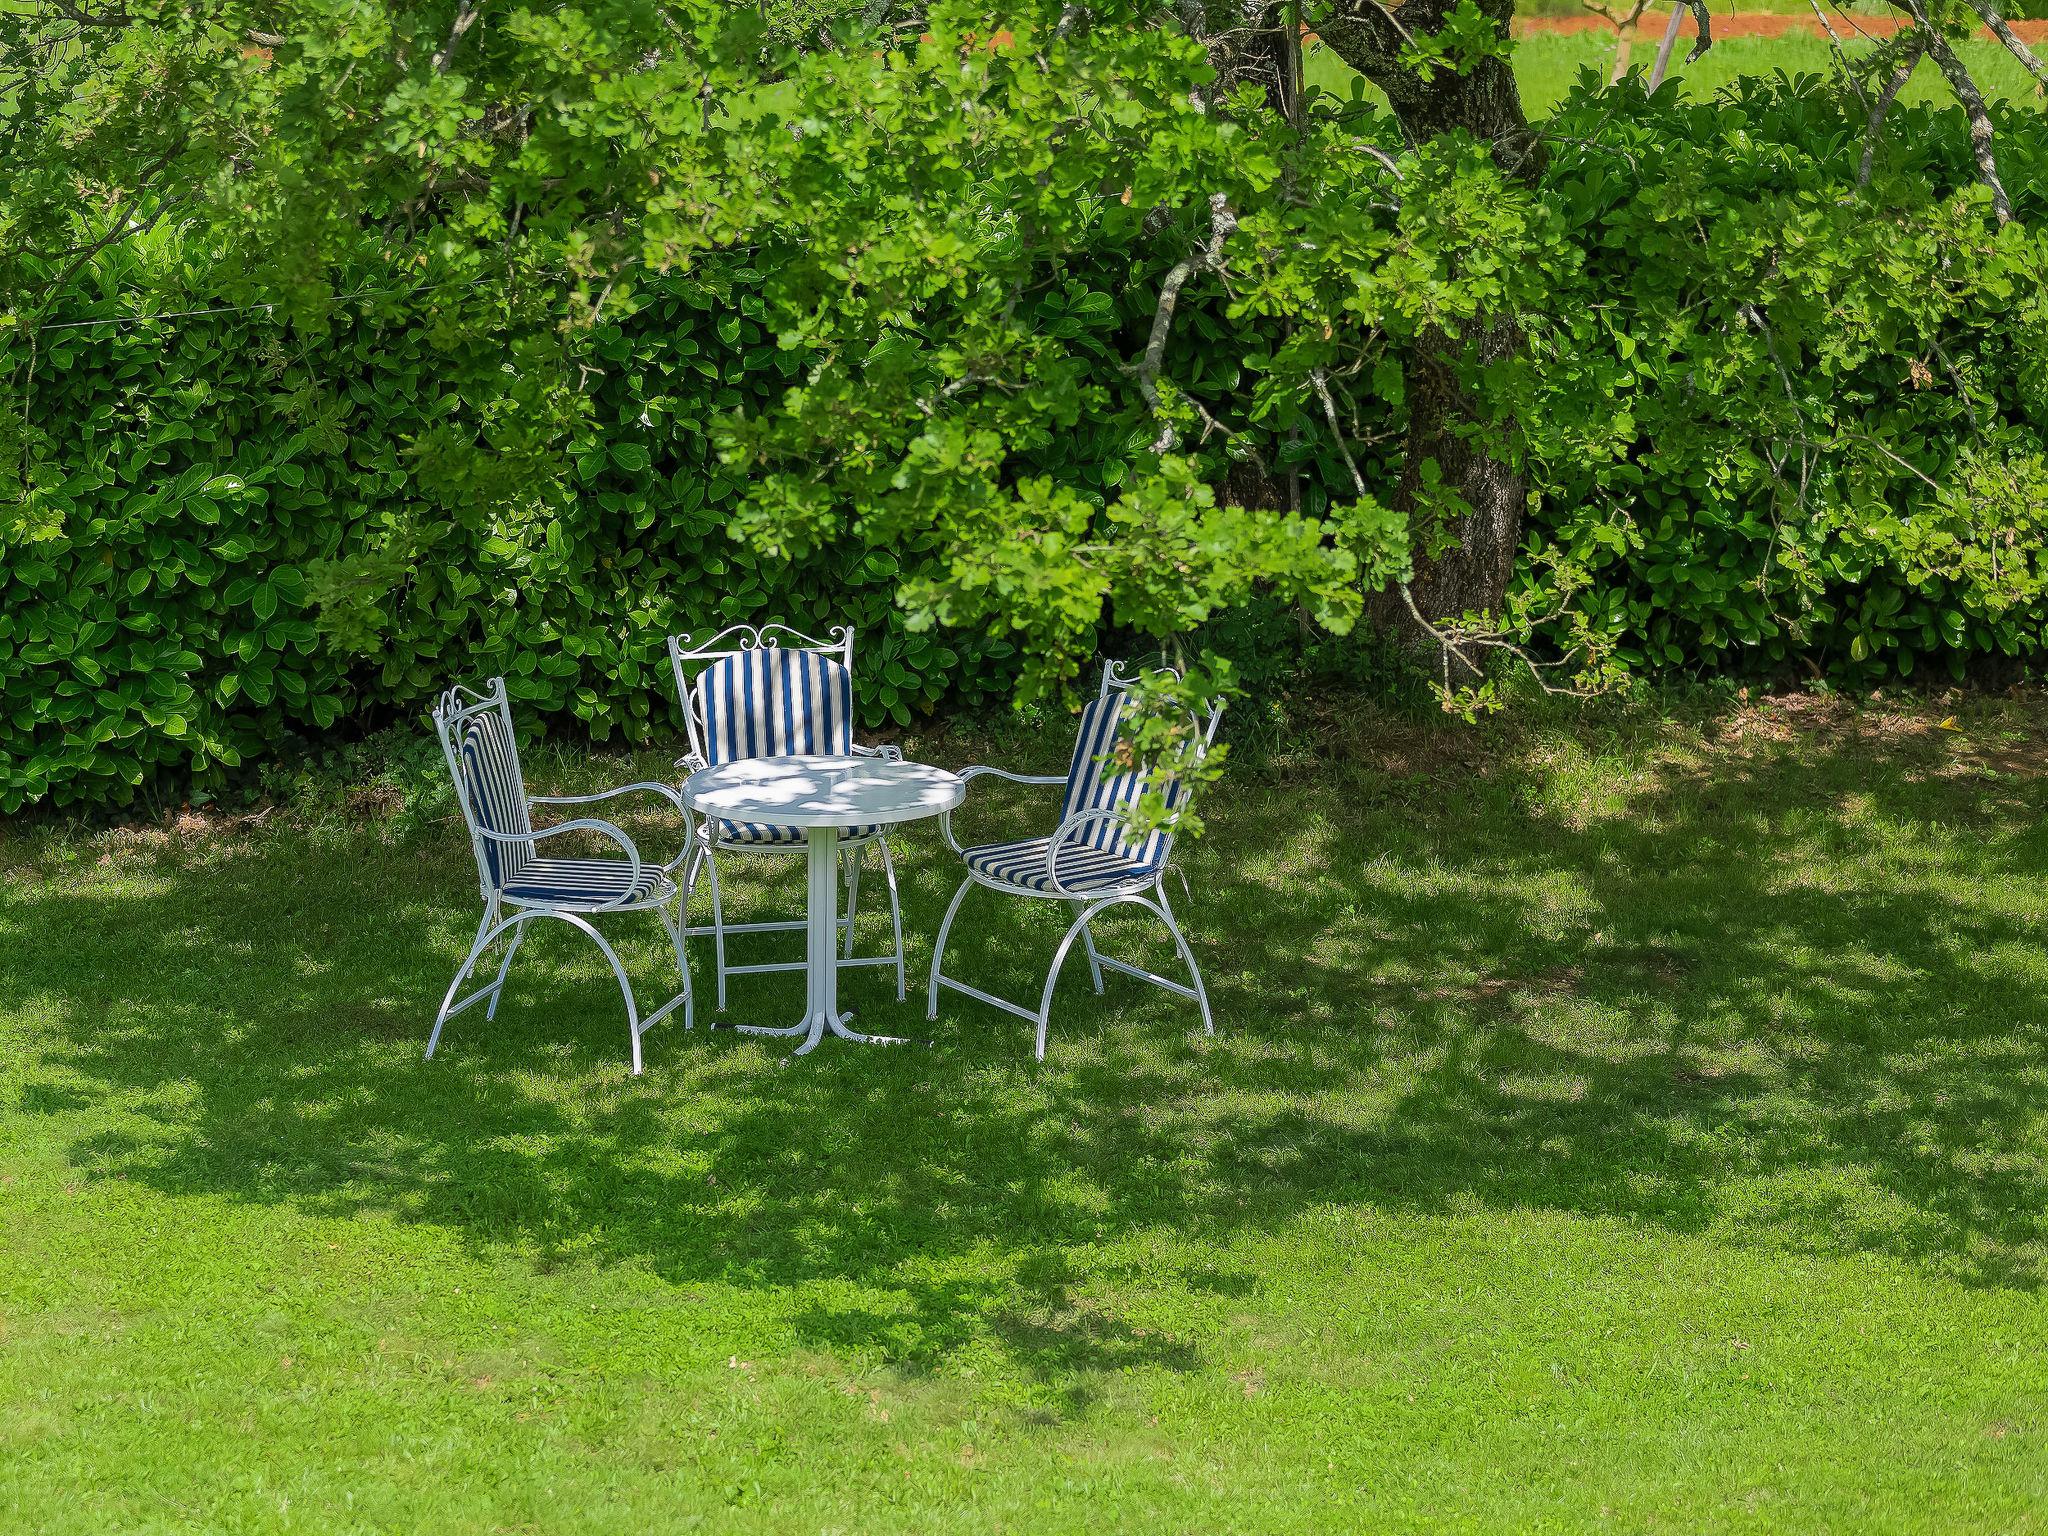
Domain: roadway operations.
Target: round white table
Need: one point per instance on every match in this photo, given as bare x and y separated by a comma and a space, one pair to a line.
821, 795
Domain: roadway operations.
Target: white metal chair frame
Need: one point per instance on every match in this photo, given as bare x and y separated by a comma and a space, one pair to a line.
1147, 890
456, 708
690, 661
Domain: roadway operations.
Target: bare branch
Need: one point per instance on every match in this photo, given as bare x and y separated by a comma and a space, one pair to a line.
1222, 222
1663, 61
466, 12
1982, 144
1706, 26
1841, 54
1915, 51
2011, 39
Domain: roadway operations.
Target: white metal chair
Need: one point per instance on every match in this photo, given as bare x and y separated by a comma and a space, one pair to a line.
1089, 861
771, 691
519, 883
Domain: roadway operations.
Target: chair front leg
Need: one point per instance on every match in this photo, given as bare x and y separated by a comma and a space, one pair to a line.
850, 861
895, 912
939, 948
717, 923
618, 970
1088, 944
1187, 958
1077, 929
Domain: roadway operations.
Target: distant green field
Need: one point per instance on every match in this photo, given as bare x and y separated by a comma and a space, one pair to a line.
1547, 65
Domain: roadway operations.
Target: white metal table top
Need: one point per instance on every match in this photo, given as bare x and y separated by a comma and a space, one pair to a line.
822, 791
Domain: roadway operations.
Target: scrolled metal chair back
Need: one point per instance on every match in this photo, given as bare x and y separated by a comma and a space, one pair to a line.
483, 760
767, 690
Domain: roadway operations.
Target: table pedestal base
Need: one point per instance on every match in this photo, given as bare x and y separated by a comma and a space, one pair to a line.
821, 954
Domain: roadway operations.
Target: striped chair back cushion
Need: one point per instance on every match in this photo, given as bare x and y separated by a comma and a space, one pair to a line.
1096, 783
495, 791
776, 703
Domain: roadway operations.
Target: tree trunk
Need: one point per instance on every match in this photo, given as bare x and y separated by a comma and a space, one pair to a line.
1472, 576
1485, 102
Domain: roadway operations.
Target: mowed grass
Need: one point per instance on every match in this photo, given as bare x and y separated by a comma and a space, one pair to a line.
1615, 1122
1548, 63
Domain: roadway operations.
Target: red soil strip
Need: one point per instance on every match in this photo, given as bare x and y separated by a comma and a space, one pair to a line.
1758, 24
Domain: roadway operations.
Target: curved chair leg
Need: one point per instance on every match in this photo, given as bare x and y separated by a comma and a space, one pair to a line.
485, 933
1187, 958
939, 948
851, 867
498, 986
675, 927
717, 923
1052, 977
1088, 943
895, 912
618, 970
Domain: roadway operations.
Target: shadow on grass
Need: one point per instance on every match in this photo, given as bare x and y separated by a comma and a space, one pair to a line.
1791, 992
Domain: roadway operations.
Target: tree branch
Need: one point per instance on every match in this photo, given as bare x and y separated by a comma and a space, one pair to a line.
1914, 52
1706, 26
1982, 143
1222, 222
466, 12
2011, 39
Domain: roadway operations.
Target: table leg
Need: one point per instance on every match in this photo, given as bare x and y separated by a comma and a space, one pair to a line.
821, 953
822, 946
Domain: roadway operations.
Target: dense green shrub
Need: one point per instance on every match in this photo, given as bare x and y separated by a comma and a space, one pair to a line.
1775, 422
1783, 422
206, 488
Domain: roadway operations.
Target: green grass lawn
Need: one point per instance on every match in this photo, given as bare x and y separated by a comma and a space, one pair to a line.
1547, 64
1614, 1123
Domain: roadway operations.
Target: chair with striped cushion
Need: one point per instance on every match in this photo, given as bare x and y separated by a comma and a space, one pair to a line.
520, 883
1089, 860
770, 691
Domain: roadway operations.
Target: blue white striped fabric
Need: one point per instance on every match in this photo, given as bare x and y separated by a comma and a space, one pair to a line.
579, 882
1081, 868
497, 798
1098, 855
773, 702
1096, 785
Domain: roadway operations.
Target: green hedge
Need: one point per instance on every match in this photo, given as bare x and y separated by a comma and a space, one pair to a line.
239, 532
1786, 426
200, 482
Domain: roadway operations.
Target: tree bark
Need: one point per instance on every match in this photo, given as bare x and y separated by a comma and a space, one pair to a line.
1484, 102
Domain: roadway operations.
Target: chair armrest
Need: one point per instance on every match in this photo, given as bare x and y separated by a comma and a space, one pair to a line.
1065, 834
581, 824
668, 792
968, 775
1015, 778
888, 754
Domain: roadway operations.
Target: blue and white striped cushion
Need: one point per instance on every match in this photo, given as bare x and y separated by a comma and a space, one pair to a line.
579, 882
775, 703
1081, 868
495, 791
1096, 785
753, 834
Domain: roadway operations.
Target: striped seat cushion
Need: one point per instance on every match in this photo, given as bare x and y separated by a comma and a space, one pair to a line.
1099, 855
752, 834
580, 882
1096, 783
775, 703
1081, 868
